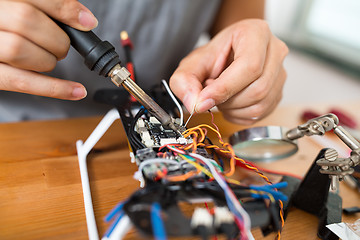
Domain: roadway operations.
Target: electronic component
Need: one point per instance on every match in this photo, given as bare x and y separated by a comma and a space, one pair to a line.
145, 153
224, 221
175, 173
175, 168
202, 222
153, 134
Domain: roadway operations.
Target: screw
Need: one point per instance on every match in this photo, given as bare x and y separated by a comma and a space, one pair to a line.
344, 168
326, 123
330, 155
334, 182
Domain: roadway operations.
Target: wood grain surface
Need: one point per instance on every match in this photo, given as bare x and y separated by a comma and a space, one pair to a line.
40, 189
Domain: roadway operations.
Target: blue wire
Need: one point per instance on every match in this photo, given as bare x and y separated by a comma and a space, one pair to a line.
232, 208
113, 225
270, 189
221, 162
157, 223
278, 185
114, 211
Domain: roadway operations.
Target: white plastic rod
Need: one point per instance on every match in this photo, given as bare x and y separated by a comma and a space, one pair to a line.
83, 150
89, 211
121, 229
100, 129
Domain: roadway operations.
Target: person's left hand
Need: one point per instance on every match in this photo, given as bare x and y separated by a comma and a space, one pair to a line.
240, 71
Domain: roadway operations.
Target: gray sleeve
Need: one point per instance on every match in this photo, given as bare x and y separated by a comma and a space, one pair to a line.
162, 32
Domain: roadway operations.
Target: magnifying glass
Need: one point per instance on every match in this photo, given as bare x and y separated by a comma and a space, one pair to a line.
263, 144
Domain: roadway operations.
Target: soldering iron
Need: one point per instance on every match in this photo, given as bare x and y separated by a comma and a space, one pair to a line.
100, 56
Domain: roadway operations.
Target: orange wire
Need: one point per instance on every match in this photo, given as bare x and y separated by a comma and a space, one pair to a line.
228, 150
227, 146
180, 178
278, 236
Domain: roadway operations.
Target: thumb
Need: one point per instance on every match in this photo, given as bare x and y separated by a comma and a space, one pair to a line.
70, 12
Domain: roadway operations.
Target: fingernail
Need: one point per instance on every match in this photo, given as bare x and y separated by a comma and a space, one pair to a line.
87, 19
79, 93
205, 105
189, 101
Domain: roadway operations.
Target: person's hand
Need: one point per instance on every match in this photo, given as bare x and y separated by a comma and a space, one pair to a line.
31, 42
240, 71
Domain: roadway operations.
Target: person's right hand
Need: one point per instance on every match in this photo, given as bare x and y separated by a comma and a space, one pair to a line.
31, 42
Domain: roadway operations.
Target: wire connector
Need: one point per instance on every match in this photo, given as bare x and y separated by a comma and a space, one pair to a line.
202, 222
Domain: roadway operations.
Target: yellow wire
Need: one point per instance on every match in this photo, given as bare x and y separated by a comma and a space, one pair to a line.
233, 181
228, 150
202, 128
198, 166
271, 197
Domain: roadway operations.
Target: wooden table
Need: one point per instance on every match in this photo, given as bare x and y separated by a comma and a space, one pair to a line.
40, 189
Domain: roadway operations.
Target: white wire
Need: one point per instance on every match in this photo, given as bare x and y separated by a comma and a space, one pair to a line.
189, 117
225, 187
175, 101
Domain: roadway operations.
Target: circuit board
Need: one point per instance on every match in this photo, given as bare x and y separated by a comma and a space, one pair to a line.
175, 169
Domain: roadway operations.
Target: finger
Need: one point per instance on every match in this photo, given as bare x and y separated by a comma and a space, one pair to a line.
202, 64
186, 81
34, 25
21, 53
270, 83
249, 115
254, 113
70, 12
250, 49
18, 80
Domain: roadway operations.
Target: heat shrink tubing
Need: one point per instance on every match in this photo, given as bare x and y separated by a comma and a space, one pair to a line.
100, 56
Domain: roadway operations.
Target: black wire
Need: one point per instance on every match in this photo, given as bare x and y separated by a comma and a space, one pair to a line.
134, 139
214, 153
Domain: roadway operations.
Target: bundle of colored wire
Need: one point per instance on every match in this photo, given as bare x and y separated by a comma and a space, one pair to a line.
233, 203
211, 168
227, 149
270, 190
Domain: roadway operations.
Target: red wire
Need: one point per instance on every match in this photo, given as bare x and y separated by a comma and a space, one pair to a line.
270, 171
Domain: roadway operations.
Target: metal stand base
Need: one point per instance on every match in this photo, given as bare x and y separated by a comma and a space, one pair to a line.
313, 196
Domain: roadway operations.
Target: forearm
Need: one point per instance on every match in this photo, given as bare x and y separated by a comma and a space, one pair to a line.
232, 11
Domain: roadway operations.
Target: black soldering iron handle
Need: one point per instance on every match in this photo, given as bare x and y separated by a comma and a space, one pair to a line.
99, 56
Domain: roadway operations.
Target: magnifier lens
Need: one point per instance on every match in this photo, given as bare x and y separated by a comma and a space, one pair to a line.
262, 144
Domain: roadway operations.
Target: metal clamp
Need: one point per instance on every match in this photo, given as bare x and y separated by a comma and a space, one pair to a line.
335, 167
315, 126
